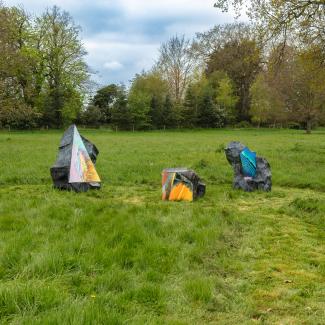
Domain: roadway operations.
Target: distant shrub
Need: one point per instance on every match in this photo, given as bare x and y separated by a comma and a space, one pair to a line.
243, 125
91, 116
294, 126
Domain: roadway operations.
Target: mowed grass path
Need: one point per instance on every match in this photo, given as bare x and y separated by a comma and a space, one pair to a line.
122, 256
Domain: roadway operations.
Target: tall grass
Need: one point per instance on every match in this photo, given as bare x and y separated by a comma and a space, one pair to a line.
122, 256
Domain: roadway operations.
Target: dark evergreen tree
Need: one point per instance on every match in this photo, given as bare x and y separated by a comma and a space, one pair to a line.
104, 100
91, 116
121, 116
168, 120
206, 114
156, 113
210, 115
190, 108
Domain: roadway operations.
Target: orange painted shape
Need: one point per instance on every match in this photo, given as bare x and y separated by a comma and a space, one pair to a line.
181, 192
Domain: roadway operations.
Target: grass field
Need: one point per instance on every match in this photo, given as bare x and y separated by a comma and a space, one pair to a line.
122, 256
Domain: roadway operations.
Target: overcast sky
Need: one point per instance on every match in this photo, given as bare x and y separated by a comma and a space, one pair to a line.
122, 37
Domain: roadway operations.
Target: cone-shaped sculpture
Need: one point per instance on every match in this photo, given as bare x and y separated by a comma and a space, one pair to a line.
74, 168
181, 184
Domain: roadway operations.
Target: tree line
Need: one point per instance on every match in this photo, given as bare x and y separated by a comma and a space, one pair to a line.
269, 72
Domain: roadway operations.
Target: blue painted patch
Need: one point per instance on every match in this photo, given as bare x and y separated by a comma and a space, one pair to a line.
248, 162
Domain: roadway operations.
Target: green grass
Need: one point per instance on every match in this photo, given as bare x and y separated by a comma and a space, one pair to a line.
122, 256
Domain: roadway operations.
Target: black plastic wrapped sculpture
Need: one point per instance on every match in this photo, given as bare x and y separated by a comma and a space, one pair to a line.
74, 168
251, 172
181, 184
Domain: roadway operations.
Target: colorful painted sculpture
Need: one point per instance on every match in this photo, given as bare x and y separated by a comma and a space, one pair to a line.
251, 172
75, 165
181, 184
248, 162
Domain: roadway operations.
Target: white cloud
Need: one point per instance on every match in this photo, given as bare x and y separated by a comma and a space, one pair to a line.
122, 37
145, 8
36, 5
113, 65
105, 56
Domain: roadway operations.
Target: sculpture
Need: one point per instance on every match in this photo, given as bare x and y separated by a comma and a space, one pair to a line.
181, 184
74, 168
251, 172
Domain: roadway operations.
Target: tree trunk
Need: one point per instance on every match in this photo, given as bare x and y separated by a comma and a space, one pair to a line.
308, 127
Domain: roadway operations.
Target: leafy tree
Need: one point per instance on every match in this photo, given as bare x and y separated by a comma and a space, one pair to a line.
281, 19
146, 97
72, 106
309, 88
216, 38
226, 99
64, 64
139, 104
121, 116
91, 116
104, 99
209, 102
261, 100
292, 90
42, 70
176, 62
279, 76
17, 61
17, 115
241, 61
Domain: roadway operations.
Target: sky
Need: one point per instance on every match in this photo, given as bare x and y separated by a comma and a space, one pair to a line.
122, 37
